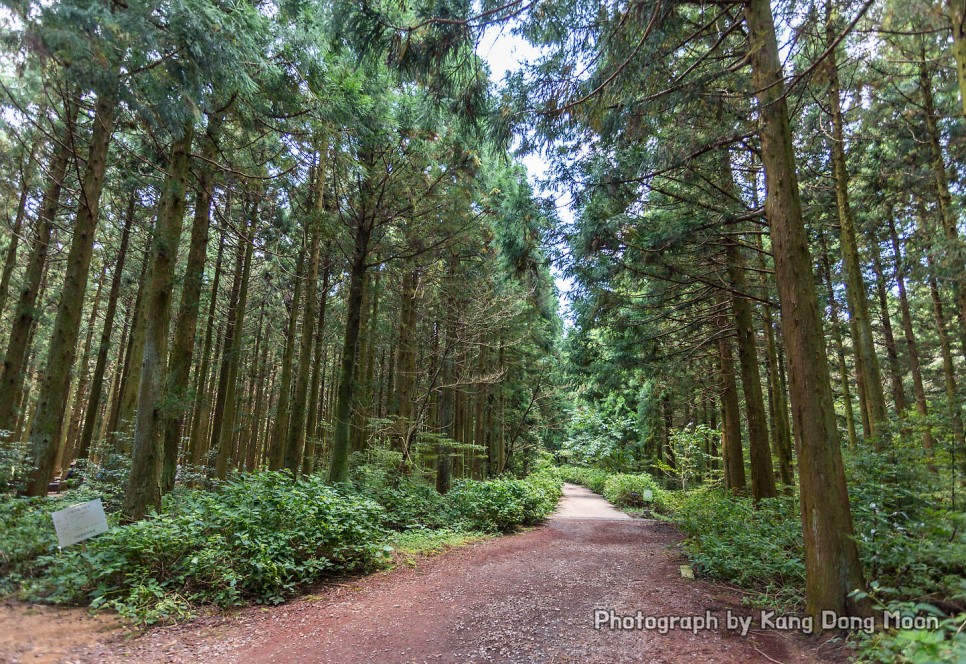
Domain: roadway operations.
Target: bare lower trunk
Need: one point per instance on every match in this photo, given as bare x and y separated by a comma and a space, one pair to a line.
762, 474
919, 390
295, 436
122, 419
144, 483
731, 451
12, 378
199, 419
777, 402
100, 365
10, 261
280, 431
225, 425
867, 369
402, 399
949, 370
892, 354
318, 372
45, 430
83, 379
447, 394
339, 466
836, 324
954, 252
832, 565
945, 347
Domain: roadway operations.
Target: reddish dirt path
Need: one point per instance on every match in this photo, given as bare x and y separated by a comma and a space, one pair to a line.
524, 598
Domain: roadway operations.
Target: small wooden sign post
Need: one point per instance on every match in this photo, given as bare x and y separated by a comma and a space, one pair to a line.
79, 522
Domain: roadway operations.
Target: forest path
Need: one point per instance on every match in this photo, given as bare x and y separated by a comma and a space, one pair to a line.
581, 503
529, 597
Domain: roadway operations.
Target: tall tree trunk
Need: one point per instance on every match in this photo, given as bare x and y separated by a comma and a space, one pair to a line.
10, 261
912, 347
260, 371
114, 395
402, 399
83, 380
144, 482
867, 368
482, 392
447, 393
666, 451
954, 250
949, 369
225, 424
12, 378
222, 368
122, 419
199, 418
32, 363
318, 372
49, 417
339, 465
832, 564
364, 369
731, 451
182, 350
762, 474
357, 424
246, 443
895, 370
836, 325
957, 18
777, 402
100, 365
296, 428
280, 431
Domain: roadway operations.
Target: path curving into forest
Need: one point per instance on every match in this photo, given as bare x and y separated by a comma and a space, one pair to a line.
529, 597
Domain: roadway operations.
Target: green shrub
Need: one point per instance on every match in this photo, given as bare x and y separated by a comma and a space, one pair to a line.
413, 504
545, 489
630, 490
504, 503
259, 537
910, 534
26, 532
945, 644
906, 538
622, 489
13, 463
760, 549
592, 478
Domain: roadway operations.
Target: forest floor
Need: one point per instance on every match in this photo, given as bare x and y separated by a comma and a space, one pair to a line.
529, 597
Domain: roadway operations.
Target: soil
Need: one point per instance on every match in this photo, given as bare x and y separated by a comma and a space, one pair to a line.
47, 634
528, 597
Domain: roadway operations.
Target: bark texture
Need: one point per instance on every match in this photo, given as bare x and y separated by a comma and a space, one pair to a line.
832, 563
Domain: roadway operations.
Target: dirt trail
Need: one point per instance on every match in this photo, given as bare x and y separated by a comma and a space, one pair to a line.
525, 598
581, 503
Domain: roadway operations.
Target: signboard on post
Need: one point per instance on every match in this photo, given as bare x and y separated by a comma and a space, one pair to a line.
79, 522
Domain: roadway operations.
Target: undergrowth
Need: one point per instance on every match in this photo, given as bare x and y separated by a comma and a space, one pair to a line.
258, 537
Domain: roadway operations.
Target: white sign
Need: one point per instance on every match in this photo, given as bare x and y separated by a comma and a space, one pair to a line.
79, 522
647, 495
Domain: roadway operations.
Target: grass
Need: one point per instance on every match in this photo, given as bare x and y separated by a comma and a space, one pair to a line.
411, 544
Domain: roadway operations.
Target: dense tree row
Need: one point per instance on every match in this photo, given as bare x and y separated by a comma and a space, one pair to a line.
287, 235
236, 241
759, 189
